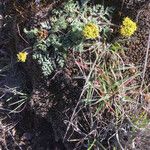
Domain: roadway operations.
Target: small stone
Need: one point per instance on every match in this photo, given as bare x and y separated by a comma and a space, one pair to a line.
26, 136
147, 97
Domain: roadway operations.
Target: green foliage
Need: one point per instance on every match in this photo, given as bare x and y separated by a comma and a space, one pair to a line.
32, 33
83, 2
142, 120
115, 47
91, 145
65, 33
48, 63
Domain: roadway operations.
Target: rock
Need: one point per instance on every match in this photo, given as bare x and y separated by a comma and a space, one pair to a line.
26, 137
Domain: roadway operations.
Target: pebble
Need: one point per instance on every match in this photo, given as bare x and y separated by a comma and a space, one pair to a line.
26, 137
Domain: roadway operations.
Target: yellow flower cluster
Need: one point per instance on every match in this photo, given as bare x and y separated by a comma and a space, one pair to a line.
22, 56
91, 31
128, 27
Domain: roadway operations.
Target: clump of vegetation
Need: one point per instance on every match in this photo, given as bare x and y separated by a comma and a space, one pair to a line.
109, 85
104, 100
68, 29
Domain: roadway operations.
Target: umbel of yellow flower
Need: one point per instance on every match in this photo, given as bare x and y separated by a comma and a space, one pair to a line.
90, 31
128, 27
22, 56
